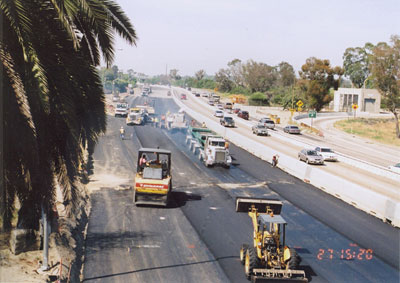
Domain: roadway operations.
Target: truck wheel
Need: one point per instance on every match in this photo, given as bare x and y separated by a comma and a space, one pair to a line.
250, 262
294, 260
243, 251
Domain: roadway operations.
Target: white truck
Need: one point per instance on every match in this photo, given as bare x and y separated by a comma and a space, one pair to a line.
213, 149
136, 116
121, 110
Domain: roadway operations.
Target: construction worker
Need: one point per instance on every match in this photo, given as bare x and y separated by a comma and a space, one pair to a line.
226, 145
142, 160
122, 132
156, 122
162, 121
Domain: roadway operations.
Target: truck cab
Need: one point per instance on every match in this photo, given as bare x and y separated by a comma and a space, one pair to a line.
216, 151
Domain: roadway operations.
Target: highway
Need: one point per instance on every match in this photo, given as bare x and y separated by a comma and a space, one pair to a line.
364, 178
197, 238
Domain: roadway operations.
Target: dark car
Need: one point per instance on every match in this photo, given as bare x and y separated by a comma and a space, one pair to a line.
197, 94
227, 122
243, 115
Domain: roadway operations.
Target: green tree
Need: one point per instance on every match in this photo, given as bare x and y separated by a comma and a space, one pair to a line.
200, 74
317, 77
236, 70
223, 80
356, 63
259, 98
286, 75
259, 77
173, 74
385, 70
53, 97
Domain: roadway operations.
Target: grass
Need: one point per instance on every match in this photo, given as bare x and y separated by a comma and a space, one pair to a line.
381, 130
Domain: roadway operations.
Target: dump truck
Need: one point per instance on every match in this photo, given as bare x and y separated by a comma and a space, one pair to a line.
212, 149
153, 179
268, 258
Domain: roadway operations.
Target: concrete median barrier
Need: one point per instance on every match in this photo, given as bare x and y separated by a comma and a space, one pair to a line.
364, 199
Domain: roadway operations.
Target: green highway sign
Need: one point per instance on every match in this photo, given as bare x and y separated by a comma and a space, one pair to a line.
312, 114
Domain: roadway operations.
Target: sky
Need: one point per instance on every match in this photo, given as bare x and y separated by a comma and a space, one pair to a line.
189, 35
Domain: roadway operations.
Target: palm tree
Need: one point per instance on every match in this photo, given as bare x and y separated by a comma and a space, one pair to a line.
53, 97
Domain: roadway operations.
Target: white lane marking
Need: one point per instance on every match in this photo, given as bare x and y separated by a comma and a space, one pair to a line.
181, 173
147, 246
213, 208
162, 218
192, 183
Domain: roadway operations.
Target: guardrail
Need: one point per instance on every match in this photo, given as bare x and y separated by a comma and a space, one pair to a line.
369, 201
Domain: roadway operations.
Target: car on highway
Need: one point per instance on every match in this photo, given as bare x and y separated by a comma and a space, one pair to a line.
268, 123
204, 94
219, 113
196, 94
310, 156
227, 121
235, 110
260, 130
228, 105
395, 168
327, 153
211, 102
183, 96
145, 93
115, 99
243, 115
291, 129
220, 106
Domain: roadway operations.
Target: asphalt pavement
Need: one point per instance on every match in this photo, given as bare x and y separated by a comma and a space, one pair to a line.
197, 238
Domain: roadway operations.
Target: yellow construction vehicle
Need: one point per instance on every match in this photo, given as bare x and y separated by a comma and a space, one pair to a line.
153, 179
268, 258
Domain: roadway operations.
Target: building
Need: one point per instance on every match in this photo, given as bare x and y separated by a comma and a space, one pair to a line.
367, 100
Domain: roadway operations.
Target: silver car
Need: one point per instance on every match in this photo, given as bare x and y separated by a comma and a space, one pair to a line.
290, 129
268, 123
326, 153
310, 156
260, 130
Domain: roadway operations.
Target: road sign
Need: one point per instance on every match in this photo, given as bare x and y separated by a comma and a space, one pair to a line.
312, 114
299, 103
354, 106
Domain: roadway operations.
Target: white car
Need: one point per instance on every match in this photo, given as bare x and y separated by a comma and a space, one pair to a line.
395, 168
327, 153
220, 106
219, 113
